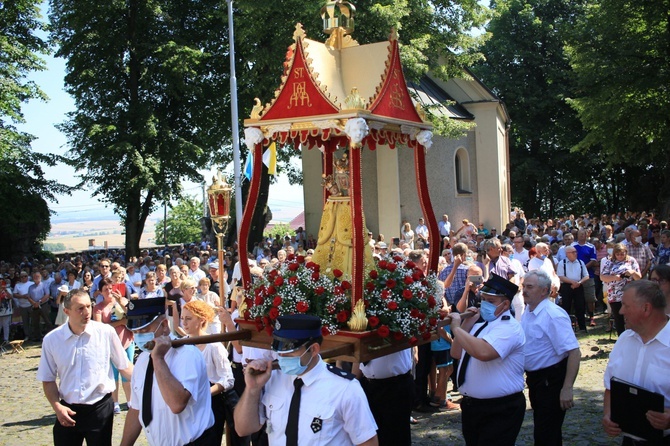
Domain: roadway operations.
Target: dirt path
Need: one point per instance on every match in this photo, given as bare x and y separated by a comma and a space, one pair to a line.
27, 418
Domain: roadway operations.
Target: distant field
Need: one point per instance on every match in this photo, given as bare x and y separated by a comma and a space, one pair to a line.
77, 234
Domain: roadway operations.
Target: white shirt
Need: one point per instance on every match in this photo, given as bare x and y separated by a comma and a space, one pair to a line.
521, 256
187, 365
337, 401
144, 269
22, 288
388, 366
82, 362
444, 227
645, 365
196, 275
421, 230
575, 270
501, 376
218, 366
549, 335
134, 278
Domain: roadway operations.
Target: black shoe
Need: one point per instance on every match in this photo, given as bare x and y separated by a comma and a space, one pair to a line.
424, 408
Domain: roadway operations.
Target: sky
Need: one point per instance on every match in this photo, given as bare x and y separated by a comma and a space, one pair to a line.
285, 201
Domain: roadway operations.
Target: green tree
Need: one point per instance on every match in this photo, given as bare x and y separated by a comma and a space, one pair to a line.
23, 189
151, 97
280, 229
183, 222
529, 70
621, 55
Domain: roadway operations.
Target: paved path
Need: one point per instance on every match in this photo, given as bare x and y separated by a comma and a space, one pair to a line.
27, 418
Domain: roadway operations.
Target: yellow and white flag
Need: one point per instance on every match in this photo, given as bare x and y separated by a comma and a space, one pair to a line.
270, 159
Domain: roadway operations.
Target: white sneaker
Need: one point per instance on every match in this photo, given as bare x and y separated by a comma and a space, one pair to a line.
117, 408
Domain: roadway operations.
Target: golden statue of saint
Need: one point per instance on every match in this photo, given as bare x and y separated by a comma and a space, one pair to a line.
334, 246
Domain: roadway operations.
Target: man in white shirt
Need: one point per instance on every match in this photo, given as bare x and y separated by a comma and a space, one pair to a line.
22, 301
78, 354
171, 397
520, 253
573, 274
552, 358
194, 270
444, 226
133, 276
421, 232
641, 355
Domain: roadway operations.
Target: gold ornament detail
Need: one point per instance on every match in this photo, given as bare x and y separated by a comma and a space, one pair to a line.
358, 321
354, 100
256, 110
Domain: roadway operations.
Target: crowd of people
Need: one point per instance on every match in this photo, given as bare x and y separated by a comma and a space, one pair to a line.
516, 300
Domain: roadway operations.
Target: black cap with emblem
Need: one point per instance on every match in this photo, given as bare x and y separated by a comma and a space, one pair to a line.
142, 312
291, 331
499, 286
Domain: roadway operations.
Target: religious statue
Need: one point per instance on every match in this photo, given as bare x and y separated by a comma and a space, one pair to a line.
334, 246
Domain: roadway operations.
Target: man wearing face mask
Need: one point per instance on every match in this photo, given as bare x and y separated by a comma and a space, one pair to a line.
170, 390
491, 367
639, 251
307, 402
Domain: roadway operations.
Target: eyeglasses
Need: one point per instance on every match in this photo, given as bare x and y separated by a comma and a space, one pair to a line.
104, 266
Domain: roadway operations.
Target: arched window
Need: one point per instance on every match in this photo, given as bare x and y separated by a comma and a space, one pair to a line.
462, 171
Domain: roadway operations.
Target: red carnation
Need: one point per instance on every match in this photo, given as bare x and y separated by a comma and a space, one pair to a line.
383, 331
272, 274
337, 273
293, 280
342, 316
293, 266
416, 275
390, 283
382, 264
277, 301
370, 286
374, 274
374, 321
391, 266
279, 281
422, 316
246, 315
274, 313
432, 321
330, 309
413, 340
301, 259
431, 302
410, 265
346, 285
315, 276
385, 294
408, 280
310, 265
258, 301
414, 312
338, 291
325, 331
392, 306
290, 257
407, 294
397, 258
319, 290
397, 335
302, 307
271, 290
266, 320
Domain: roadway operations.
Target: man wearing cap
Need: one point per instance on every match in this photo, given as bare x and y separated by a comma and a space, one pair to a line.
79, 353
307, 402
170, 390
490, 370
551, 358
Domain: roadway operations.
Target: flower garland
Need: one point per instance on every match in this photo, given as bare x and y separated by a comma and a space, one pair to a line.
299, 287
401, 302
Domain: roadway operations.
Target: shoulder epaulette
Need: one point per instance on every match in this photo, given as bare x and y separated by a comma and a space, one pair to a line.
339, 372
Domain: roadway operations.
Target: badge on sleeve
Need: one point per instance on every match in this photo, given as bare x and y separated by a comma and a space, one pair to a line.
317, 424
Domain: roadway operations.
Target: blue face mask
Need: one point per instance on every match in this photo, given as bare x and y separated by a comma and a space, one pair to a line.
291, 365
142, 338
488, 311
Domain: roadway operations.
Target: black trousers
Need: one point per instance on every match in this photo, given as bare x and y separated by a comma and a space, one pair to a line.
423, 366
94, 424
576, 296
619, 322
544, 388
208, 438
390, 401
492, 421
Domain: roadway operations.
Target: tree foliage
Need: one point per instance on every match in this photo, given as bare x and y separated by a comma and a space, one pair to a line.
23, 188
183, 222
280, 229
150, 93
620, 52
